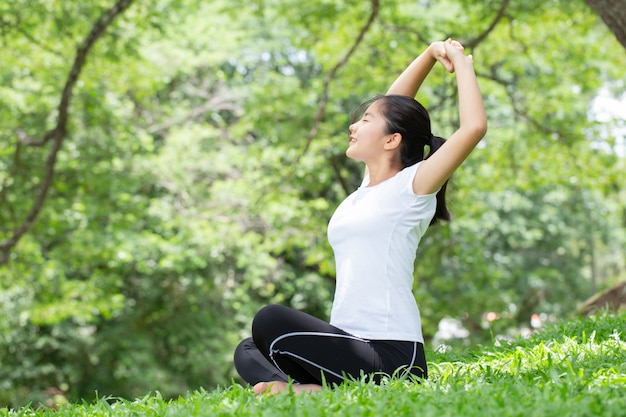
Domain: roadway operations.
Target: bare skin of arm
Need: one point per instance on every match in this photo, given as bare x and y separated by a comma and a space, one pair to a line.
409, 82
434, 171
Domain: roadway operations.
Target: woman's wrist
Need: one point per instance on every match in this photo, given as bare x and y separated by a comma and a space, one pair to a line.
434, 49
465, 62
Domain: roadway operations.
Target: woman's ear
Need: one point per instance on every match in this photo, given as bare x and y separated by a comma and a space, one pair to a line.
393, 141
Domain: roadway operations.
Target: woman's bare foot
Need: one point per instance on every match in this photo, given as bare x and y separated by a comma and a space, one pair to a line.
275, 387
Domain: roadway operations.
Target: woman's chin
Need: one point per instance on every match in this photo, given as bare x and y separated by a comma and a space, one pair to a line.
352, 156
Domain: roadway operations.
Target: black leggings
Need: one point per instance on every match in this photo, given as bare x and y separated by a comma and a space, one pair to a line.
287, 343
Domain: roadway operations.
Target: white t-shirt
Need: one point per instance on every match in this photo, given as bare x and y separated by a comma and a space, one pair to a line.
374, 234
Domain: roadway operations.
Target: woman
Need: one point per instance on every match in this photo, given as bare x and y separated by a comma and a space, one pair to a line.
375, 326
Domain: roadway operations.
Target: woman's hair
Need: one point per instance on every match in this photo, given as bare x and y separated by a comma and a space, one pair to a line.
408, 117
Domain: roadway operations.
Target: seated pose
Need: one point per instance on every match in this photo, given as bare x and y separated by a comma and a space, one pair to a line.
375, 325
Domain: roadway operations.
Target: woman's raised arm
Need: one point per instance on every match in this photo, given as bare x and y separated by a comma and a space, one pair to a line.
410, 80
436, 170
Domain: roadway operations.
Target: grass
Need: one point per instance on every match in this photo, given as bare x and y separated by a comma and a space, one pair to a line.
577, 368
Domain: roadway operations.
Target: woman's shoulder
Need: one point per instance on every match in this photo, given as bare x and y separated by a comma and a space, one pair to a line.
407, 177
408, 173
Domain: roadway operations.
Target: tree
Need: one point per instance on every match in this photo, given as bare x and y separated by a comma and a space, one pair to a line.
56, 135
204, 153
613, 13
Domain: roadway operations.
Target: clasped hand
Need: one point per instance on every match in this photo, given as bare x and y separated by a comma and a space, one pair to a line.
449, 53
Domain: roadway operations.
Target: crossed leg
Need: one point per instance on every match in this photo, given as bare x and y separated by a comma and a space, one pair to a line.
287, 343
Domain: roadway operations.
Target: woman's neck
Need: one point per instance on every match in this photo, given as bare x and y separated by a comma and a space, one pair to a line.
381, 172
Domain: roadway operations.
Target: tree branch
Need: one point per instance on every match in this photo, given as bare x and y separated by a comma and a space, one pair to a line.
319, 116
57, 133
5, 184
335, 163
517, 107
501, 13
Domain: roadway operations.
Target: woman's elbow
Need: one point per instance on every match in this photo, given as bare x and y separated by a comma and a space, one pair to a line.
481, 128
477, 129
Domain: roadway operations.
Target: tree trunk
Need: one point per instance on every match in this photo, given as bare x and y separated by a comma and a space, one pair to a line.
612, 299
613, 13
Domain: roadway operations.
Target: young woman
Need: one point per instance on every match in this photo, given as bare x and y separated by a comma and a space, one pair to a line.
375, 326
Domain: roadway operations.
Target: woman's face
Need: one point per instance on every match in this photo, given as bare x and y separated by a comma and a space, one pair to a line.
367, 135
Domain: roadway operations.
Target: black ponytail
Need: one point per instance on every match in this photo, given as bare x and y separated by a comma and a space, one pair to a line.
408, 117
441, 212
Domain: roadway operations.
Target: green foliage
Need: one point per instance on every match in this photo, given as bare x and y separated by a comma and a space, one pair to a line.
182, 199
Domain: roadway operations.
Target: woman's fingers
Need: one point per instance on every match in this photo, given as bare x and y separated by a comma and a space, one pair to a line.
454, 50
442, 56
442, 51
445, 61
456, 44
448, 50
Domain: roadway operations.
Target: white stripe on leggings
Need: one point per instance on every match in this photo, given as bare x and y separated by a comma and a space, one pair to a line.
408, 370
272, 351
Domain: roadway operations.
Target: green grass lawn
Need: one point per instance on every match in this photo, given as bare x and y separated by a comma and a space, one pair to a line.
576, 368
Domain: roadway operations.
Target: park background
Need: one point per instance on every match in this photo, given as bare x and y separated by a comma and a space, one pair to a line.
168, 167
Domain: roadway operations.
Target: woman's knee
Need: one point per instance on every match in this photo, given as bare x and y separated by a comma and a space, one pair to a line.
267, 318
267, 324
240, 351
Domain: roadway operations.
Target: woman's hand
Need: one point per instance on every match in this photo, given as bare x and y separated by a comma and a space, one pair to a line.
436, 170
412, 77
454, 53
440, 51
